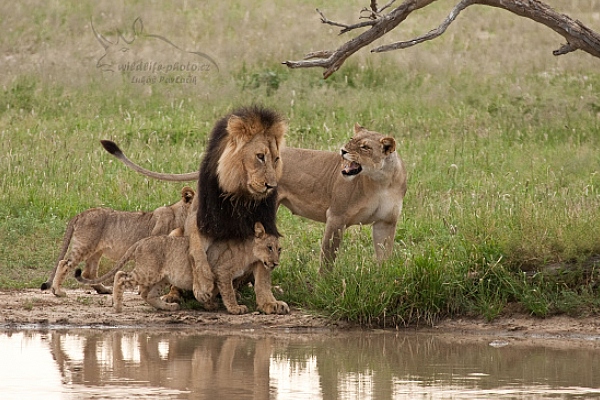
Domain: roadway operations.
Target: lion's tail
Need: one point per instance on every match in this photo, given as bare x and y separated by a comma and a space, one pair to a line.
113, 149
65, 246
110, 274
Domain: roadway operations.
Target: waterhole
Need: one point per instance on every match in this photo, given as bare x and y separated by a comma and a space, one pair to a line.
195, 364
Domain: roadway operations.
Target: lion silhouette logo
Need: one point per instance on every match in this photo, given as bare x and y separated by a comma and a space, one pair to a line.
150, 54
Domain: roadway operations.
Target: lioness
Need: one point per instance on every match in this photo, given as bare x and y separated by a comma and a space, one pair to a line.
102, 231
363, 184
161, 260
366, 186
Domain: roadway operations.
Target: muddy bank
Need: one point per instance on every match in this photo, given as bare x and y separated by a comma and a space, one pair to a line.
82, 308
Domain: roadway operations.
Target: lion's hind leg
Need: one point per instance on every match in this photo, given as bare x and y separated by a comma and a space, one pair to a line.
91, 272
122, 281
62, 269
79, 252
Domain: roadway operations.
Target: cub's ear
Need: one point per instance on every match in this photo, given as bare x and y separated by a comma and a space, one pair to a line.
259, 230
388, 145
358, 128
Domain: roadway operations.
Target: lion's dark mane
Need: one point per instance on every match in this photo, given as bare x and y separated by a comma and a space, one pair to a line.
225, 216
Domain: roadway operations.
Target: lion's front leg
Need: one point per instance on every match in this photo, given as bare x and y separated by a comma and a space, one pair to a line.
203, 277
332, 239
229, 298
265, 300
383, 239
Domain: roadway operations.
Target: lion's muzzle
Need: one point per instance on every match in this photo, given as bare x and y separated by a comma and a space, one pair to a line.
270, 265
350, 167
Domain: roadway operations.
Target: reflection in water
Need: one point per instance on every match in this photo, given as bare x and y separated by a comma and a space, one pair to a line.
123, 363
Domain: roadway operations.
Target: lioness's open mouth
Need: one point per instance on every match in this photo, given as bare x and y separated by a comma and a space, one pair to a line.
352, 168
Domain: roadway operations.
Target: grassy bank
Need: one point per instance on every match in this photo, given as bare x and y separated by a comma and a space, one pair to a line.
500, 138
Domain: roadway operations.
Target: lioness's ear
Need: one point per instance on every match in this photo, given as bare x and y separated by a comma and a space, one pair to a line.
357, 127
259, 230
388, 144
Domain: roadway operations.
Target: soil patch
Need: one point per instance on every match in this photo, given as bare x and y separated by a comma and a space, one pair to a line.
33, 308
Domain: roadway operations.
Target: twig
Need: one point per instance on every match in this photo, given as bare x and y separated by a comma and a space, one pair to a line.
345, 28
432, 34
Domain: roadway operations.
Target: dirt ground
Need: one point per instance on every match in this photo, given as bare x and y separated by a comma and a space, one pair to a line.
33, 308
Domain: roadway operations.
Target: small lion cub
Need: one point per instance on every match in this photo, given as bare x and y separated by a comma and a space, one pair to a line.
103, 232
161, 260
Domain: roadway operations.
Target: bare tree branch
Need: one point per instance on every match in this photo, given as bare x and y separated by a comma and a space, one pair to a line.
381, 26
431, 34
577, 35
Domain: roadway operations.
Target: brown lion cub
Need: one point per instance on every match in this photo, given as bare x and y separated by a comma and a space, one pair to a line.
161, 260
102, 231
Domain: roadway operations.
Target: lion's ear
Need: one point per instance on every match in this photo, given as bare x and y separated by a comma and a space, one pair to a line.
238, 128
388, 144
357, 127
259, 230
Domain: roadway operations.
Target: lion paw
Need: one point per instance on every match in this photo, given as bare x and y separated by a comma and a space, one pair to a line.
237, 310
174, 296
210, 305
59, 292
278, 307
203, 291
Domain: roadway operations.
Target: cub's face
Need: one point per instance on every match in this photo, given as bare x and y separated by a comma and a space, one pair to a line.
181, 209
366, 152
266, 247
267, 250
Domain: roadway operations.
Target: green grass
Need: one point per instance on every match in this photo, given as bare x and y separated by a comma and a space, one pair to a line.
501, 141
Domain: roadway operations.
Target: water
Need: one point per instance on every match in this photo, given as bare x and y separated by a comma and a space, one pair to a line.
196, 364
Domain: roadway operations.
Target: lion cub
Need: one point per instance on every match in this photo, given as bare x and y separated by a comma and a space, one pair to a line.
102, 231
161, 260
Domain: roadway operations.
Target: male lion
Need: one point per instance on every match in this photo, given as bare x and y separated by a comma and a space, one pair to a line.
365, 185
161, 260
238, 175
102, 231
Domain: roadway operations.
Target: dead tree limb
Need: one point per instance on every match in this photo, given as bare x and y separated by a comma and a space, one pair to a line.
577, 35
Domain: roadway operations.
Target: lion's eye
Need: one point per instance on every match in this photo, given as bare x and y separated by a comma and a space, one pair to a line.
364, 147
276, 160
270, 248
261, 157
